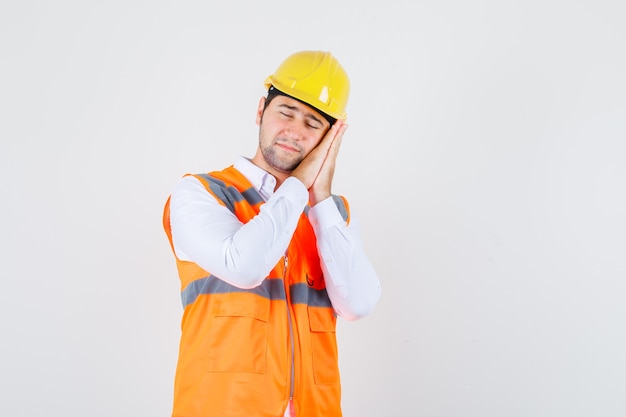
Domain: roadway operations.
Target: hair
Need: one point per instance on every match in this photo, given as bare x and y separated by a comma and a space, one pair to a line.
273, 92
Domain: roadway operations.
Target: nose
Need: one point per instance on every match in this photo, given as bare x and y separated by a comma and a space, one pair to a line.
295, 131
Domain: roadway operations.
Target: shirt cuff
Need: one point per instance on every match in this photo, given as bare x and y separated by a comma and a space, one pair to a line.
324, 215
293, 190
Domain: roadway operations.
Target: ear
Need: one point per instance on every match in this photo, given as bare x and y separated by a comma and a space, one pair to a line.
259, 111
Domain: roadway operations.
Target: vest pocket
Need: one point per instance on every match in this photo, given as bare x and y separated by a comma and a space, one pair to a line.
322, 323
238, 338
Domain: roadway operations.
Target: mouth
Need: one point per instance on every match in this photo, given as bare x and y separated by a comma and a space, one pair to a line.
287, 148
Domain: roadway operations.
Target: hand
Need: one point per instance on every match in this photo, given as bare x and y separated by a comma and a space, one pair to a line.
310, 167
322, 184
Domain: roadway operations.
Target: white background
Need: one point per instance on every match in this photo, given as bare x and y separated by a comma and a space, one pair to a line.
485, 160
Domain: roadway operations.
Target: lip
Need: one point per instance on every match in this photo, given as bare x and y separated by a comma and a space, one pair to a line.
287, 148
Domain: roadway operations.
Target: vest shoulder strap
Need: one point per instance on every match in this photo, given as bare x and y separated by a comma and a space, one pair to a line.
230, 188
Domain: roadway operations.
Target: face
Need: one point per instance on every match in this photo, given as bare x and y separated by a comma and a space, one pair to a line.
288, 131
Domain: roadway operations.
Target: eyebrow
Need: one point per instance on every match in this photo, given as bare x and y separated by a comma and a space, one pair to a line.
298, 110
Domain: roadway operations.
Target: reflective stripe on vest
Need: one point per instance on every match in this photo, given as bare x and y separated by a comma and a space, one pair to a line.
272, 289
229, 195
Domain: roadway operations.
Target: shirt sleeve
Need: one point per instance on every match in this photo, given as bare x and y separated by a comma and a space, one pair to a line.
351, 282
209, 234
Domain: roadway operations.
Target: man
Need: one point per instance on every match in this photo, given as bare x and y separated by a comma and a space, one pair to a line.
268, 258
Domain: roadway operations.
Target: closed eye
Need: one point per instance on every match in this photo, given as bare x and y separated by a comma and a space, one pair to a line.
311, 121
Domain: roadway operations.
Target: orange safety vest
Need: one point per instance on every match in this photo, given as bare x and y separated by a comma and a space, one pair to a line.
245, 352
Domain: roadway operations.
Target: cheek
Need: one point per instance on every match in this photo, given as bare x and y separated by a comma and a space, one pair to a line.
316, 140
316, 137
309, 146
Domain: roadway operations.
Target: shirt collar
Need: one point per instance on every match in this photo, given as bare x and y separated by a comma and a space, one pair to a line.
261, 180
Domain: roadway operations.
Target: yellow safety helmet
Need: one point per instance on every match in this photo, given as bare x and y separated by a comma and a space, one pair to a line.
316, 78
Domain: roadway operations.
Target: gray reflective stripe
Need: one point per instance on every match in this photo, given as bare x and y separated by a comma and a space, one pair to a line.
303, 294
252, 196
341, 206
271, 289
229, 194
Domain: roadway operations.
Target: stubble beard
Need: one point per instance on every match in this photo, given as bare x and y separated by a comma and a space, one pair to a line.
274, 160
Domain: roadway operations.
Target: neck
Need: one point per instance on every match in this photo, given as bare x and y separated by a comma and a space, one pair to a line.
280, 176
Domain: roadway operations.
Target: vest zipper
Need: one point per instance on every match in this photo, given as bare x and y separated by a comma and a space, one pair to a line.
291, 339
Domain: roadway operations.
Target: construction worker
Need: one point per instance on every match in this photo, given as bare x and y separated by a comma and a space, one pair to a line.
268, 259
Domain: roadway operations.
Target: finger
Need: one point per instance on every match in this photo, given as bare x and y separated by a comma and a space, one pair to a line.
334, 147
327, 141
326, 145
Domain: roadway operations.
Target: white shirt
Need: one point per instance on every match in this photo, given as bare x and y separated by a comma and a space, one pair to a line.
242, 254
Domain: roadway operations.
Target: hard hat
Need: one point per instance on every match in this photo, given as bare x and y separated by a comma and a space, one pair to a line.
316, 78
